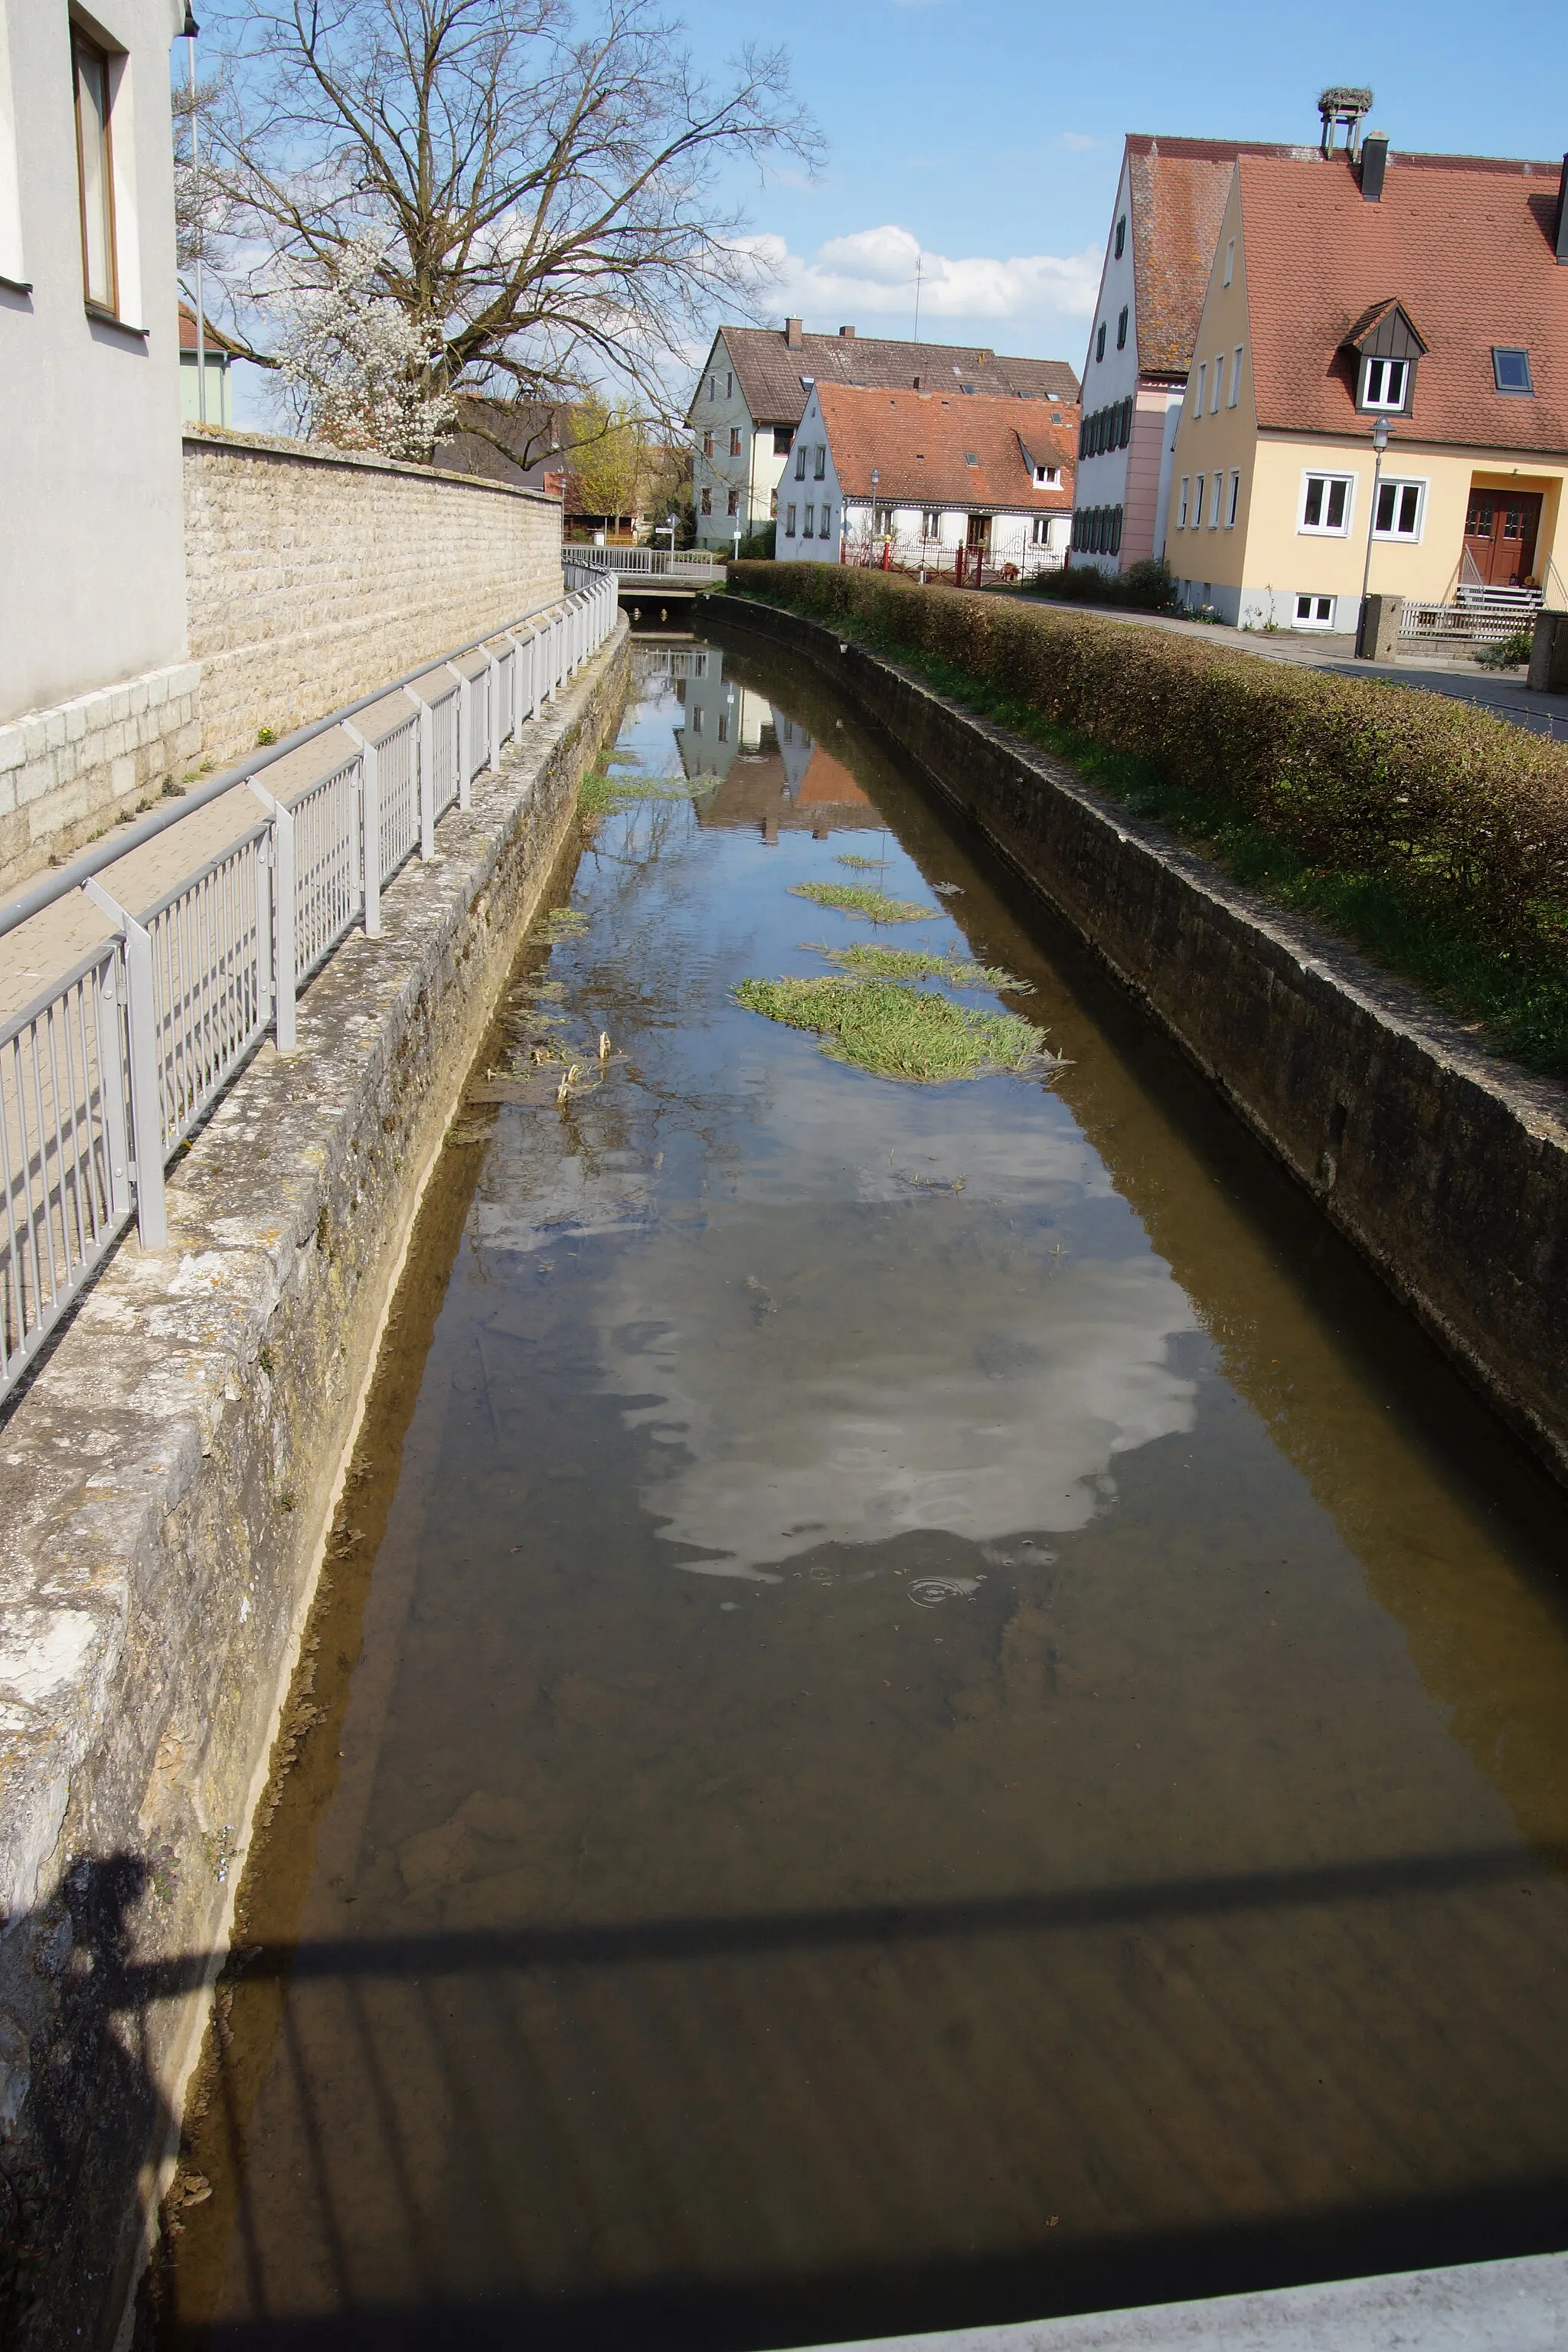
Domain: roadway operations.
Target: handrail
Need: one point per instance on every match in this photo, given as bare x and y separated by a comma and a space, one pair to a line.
109, 1068
60, 885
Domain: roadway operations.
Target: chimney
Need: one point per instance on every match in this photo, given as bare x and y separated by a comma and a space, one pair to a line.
1562, 213
792, 334
848, 333
1373, 164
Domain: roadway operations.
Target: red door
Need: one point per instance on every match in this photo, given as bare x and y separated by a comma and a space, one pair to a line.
1500, 531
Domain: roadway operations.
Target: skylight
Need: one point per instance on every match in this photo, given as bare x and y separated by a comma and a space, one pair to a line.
1510, 370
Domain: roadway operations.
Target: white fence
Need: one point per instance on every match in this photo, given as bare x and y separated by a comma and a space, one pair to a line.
108, 1069
683, 567
1477, 617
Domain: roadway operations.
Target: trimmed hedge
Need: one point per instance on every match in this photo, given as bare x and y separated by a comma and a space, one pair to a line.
1466, 814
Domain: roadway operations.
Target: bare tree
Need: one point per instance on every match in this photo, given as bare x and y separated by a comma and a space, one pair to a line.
541, 197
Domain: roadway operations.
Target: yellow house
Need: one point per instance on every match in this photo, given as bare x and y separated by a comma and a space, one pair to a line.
1423, 298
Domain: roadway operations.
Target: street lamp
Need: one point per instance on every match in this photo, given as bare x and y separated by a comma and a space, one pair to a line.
1380, 433
189, 34
872, 532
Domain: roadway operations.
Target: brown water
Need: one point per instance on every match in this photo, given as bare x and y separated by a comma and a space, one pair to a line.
932, 1708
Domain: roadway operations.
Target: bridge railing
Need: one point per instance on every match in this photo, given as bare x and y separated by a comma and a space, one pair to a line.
108, 1069
692, 567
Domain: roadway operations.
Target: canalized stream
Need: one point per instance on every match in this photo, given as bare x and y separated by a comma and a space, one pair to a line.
929, 1708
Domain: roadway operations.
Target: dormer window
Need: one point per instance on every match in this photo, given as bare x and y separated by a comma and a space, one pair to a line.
1385, 386
1047, 477
1510, 371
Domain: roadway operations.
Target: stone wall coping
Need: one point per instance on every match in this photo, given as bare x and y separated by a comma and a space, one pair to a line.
221, 440
175, 679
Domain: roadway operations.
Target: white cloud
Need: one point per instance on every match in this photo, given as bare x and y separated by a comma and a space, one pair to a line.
871, 273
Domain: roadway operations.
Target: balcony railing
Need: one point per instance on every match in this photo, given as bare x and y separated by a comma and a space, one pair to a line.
109, 1068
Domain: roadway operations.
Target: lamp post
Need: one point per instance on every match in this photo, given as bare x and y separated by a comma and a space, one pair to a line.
189, 31
871, 534
1379, 432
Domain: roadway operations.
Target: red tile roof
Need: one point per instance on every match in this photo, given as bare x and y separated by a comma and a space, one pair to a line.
921, 443
217, 341
771, 370
1464, 244
1179, 188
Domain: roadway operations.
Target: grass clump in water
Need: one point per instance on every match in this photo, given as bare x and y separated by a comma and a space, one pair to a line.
561, 923
859, 898
917, 963
866, 865
895, 1031
601, 794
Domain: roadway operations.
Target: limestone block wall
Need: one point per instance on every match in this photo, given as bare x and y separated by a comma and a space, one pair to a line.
67, 774
313, 575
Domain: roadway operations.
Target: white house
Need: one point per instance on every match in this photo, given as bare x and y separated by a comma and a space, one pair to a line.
97, 702
924, 474
751, 393
1170, 199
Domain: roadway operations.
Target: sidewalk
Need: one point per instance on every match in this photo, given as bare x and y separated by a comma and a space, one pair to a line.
1502, 692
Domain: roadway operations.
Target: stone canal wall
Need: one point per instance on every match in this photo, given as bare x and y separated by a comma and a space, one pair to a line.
1445, 1168
166, 1485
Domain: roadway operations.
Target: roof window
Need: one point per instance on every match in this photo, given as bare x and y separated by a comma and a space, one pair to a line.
1510, 370
970, 458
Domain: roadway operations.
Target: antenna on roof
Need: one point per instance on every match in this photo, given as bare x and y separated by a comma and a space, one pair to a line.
919, 272
1343, 110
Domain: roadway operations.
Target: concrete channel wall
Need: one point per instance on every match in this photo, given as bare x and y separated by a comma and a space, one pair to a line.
166, 1485
1445, 1168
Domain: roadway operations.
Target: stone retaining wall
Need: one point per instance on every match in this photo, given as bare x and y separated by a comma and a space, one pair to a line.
311, 575
66, 773
1447, 1168
165, 1486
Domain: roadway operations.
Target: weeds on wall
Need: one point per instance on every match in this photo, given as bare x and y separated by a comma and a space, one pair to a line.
1432, 834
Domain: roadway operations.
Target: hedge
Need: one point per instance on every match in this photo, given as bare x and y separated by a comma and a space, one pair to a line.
1468, 814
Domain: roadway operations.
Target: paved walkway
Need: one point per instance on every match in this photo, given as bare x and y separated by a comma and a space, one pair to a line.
1503, 692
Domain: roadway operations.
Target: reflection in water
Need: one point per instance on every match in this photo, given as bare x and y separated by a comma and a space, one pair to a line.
933, 1711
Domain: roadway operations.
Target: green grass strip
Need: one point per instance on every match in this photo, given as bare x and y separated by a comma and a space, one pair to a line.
605, 795
894, 1031
858, 898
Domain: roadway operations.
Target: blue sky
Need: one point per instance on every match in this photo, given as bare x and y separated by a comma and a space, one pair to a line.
988, 137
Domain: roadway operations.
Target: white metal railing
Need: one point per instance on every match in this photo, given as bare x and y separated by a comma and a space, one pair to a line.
109, 1068
1477, 616
690, 567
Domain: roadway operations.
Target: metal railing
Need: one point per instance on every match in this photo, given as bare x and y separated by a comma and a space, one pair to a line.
107, 1070
688, 567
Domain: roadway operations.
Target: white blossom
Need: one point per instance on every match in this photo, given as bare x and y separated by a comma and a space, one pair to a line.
358, 368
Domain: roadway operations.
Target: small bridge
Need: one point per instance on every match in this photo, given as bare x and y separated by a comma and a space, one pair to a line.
655, 587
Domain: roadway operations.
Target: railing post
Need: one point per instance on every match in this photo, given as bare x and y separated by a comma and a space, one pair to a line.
285, 958
426, 778
492, 689
141, 1037
370, 821
112, 1087
464, 733
264, 926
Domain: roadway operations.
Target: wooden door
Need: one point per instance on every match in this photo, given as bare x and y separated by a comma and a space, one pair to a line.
979, 532
1501, 528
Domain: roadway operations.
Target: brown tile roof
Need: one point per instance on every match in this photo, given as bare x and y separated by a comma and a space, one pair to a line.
1178, 190
770, 369
921, 443
1463, 244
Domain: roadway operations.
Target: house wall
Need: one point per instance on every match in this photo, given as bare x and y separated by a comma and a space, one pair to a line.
1104, 481
753, 475
1205, 555
316, 574
96, 696
1144, 463
810, 436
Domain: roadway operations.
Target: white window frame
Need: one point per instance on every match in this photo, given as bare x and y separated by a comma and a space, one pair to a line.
1216, 500
1229, 259
737, 442
1041, 534
931, 522
1311, 474
1311, 621
732, 504
1419, 484
1218, 385
800, 461
1203, 387
1379, 402
1236, 375
821, 473
1232, 500
790, 531
1200, 483
825, 527
1182, 508
808, 526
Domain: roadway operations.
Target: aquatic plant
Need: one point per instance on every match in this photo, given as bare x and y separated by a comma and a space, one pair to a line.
601, 794
896, 1030
560, 923
866, 865
916, 964
859, 898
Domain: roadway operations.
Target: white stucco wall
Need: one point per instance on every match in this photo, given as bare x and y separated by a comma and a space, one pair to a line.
1102, 481
91, 561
